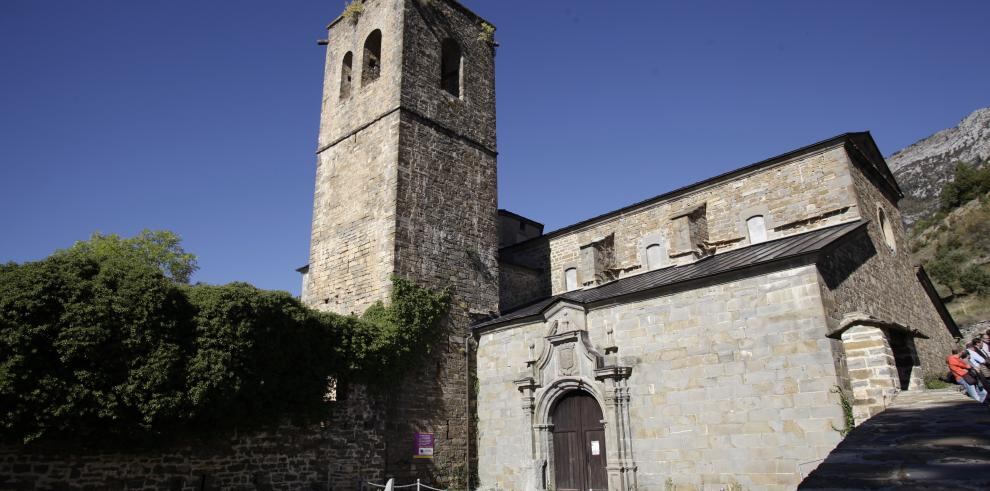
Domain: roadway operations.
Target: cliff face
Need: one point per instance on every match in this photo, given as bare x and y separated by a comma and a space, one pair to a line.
922, 168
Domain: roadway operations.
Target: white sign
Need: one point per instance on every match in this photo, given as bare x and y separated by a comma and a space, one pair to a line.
595, 450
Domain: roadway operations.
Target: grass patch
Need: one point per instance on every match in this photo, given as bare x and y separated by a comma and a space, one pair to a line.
936, 383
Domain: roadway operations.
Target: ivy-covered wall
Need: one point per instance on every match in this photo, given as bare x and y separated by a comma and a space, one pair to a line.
115, 374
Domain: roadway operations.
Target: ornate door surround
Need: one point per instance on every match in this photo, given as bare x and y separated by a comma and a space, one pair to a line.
568, 362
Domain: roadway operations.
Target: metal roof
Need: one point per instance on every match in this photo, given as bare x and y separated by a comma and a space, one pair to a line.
791, 247
862, 141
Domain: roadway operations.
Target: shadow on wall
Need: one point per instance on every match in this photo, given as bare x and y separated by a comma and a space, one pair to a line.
842, 263
939, 445
524, 273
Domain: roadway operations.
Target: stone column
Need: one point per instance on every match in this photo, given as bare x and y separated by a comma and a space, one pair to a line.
527, 386
872, 371
544, 455
621, 467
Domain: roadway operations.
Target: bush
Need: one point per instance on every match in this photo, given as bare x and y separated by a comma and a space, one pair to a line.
90, 344
970, 182
946, 267
103, 342
257, 355
975, 280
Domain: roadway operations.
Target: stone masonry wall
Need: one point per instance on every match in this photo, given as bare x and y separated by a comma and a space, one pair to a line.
809, 192
352, 244
332, 456
445, 238
867, 276
367, 102
731, 383
471, 115
446, 230
533, 254
414, 173
518, 285
352, 250
524, 273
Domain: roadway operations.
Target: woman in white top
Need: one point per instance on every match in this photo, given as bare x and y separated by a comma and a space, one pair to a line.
978, 357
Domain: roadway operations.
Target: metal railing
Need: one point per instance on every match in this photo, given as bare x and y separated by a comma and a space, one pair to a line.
390, 485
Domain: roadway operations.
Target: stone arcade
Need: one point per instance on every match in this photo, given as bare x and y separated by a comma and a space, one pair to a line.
701, 338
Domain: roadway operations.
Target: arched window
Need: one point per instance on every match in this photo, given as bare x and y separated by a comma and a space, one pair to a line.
570, 279
345, 75
450, 67
757, 228
654, 256
372, 65
886, 229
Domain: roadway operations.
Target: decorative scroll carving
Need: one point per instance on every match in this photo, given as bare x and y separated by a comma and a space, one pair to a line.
569, 362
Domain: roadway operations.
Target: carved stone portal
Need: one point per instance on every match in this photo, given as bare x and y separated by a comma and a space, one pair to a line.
569, 362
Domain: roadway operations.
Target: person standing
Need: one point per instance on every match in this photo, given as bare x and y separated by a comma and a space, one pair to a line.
979, 358
960, 370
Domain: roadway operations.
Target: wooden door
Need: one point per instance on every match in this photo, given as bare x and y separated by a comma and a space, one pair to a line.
579, 444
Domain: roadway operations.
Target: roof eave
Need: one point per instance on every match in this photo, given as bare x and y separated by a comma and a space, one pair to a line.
775, 264
837, 140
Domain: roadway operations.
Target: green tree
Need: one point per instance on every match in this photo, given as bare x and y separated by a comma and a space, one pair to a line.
970, 182
975, 280
160, 249
946, 267
89, 341
101, 342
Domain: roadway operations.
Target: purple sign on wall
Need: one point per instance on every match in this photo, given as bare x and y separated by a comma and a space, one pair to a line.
424, 446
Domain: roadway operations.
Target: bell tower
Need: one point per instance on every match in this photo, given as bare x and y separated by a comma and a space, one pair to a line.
406, 186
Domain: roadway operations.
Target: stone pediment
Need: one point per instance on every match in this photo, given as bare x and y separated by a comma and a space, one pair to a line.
564, 316
566, 352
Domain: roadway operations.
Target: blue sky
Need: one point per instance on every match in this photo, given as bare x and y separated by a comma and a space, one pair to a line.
201, 117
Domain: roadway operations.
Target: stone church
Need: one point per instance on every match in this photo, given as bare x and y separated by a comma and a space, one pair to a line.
701, 339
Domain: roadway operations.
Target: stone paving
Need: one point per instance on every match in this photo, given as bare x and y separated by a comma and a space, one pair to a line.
933, 440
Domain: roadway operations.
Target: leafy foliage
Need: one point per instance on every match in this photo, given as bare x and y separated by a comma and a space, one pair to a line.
848, 421
101, 342
353, 10
487, 33
382, 345
970, 182
954, 244
257, 355
90, 340
946, 268
158, 249
974, 279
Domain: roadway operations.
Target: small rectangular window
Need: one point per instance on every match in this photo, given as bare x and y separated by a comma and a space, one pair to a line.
570, 279
654, 256
757, 229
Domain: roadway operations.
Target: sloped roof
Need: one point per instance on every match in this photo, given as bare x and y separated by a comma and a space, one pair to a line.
862, 148
795, 246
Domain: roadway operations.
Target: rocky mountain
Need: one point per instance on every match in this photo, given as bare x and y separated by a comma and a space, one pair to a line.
922, 168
